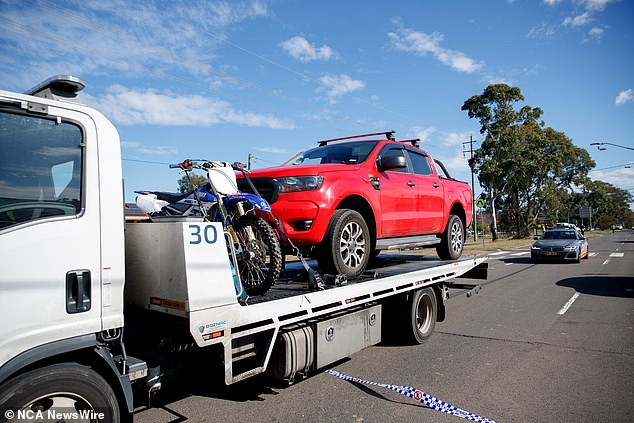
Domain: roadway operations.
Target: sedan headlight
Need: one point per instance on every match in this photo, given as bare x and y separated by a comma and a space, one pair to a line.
299, 183
536, 247
570, 247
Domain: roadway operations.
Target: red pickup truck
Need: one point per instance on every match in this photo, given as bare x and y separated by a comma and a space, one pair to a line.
351, 197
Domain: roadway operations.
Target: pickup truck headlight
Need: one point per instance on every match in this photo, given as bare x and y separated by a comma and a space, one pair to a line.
299, 183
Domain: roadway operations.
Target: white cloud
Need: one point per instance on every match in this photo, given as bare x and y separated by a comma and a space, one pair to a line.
542, 31
337, 86
302, 50
578, 20
126, 37
138, 147
422, 44
552, 2
595, 34
624, 97
154, 107
423, 132
274, 150
597, 5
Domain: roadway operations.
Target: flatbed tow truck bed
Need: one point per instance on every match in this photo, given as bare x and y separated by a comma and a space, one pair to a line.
294, 281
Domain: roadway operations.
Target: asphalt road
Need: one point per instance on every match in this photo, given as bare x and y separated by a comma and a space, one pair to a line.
548, 342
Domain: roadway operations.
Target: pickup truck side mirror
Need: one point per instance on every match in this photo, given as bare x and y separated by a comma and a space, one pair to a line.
391, 162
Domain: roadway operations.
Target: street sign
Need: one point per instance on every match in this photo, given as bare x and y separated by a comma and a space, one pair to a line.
480, 203
585, 212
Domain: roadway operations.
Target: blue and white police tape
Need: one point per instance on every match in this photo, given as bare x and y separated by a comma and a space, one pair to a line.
419, 396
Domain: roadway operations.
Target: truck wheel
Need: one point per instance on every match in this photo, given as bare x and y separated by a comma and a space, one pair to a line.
60, 388
452, 240
423, 310
346, 246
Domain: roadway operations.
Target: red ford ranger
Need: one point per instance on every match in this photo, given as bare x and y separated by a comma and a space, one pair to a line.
348, 200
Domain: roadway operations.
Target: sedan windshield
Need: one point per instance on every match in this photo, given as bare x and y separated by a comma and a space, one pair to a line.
346, 153
559, 235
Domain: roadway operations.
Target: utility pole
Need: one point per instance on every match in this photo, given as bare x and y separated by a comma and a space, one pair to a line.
249, 161
473, 206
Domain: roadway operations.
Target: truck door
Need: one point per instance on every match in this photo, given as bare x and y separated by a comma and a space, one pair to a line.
398, 197
49, 225
430, 194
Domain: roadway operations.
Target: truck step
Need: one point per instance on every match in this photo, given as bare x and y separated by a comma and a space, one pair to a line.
406, 242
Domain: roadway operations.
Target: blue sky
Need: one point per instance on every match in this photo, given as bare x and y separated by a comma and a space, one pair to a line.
224, 79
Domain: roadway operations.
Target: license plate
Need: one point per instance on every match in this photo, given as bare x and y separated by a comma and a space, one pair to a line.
551, 253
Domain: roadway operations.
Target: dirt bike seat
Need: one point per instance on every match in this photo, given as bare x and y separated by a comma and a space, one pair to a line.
171, 197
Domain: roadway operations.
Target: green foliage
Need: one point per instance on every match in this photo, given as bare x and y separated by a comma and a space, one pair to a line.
185, 185
527, 166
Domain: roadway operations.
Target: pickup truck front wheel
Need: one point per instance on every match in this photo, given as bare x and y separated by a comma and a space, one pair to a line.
346, 248
59, 388
452, 240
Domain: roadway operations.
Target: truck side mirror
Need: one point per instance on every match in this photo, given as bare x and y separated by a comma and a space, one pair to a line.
391, 162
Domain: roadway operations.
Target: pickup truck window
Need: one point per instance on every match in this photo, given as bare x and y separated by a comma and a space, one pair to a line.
420, 163
40, 169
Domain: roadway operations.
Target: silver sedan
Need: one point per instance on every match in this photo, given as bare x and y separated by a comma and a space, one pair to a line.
560, 244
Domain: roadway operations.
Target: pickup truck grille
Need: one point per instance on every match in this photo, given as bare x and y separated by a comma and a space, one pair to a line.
267, 187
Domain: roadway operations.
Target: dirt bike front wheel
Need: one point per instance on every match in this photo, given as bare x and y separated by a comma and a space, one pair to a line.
260, 263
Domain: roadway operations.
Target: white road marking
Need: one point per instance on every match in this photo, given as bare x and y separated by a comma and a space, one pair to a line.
523, 253
592, 254
498, 253
568, 304
508, 264
606, 262
617, 254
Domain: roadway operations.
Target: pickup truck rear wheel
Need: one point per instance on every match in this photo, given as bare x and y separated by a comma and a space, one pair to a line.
59, 388
346, 246
452, 240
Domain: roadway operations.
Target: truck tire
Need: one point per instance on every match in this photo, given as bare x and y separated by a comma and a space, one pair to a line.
452, 240
423, 311
346, 248
66, 387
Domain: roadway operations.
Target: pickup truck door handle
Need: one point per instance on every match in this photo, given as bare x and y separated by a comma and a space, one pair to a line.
411, 184
78, 291
436, 185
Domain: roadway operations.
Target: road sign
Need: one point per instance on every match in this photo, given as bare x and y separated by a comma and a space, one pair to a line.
480, 203
585, 212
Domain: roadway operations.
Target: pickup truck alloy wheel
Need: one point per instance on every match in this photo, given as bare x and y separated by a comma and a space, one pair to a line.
59, 388
452, 240
346, 247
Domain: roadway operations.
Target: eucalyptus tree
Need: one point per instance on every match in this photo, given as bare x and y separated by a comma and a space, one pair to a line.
520, 161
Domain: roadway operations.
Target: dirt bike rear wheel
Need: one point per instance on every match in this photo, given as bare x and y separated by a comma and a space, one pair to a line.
260, 265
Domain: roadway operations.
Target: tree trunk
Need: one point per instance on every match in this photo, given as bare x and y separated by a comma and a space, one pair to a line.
494, 228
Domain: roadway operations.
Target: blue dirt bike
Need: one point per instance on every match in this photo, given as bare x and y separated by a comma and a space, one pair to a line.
258, 254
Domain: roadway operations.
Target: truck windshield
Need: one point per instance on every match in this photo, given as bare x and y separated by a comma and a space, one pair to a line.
40, 168
346, 153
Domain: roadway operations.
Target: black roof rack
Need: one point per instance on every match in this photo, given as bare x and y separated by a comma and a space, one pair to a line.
413, 141
388, 134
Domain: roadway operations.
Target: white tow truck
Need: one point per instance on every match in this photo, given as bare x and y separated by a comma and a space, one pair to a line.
72, 268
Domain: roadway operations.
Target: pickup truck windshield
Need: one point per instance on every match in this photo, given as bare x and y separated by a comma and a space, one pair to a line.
346, 153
